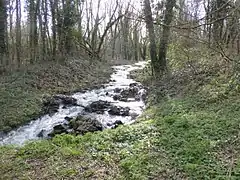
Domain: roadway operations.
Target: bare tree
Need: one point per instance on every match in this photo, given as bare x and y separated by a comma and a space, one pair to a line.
2, 30
18, 33
152, 37
165, 35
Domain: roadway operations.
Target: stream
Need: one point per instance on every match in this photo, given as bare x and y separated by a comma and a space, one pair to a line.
109, 92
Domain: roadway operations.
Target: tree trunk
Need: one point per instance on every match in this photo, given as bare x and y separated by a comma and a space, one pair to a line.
33, 36
217, 17
136, 42
18, 32
53, 6
2, 31
152, 37
114, 37
238, 44
42, 32
143, 51
165, 35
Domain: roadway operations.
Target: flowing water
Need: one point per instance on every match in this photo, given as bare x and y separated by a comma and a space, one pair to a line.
119, 79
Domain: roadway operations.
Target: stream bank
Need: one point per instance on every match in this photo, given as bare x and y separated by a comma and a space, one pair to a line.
118, 102
22, 92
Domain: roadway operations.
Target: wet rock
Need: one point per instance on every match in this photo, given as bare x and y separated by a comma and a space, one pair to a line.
51, 104
50, 107
70, 131
65, 100
41, 134
83, 113
137, 98
82, 125
124, 99
58, 129
2, 134
143, 94
133, 115
136, 91
114, 110
130, 92
119, 111
117, 90
133, 84
117, 97
138, 85
99, 112
117, 123
98, 107
68, 118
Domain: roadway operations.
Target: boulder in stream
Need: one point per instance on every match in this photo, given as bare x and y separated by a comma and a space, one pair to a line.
82, 125
143, 94
125, 94
51, 104
117, 123
119, 111
65, 100
58, 129
42, 133
98, 107
117, 97
134, 84
68, 118
117, 90
130, 92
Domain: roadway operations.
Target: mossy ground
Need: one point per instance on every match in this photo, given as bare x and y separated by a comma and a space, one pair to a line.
21, 92
190, 135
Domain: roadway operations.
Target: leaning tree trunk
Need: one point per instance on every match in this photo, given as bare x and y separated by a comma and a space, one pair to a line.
165, 35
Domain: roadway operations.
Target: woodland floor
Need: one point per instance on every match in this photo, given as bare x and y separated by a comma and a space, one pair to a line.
190, 130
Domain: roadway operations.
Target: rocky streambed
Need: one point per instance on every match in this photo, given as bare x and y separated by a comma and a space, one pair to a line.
118, 102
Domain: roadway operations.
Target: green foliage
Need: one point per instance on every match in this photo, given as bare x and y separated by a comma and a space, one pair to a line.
234, 82
181, 56
194, 135
34, 149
